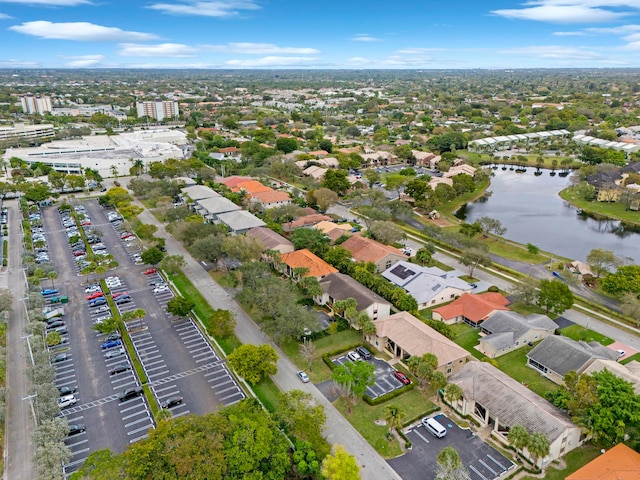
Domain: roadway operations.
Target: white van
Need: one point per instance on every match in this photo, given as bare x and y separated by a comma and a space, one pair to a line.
434, 427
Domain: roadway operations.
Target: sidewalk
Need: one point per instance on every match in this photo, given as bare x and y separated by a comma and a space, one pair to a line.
338, 430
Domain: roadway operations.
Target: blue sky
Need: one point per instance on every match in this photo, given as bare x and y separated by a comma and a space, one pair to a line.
330, 34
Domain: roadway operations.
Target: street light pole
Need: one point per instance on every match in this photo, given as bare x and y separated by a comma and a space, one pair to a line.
26, 337
33, 410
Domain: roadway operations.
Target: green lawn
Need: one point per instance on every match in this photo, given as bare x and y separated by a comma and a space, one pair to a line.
319, 371
268, 393
511, 251
467, 338
363, 418
575, 459
633, 357
578, 332
525, 309
613, 210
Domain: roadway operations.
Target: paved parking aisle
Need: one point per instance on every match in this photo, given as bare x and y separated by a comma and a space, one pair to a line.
385, 382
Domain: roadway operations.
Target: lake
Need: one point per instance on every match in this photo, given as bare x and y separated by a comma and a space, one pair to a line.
531, 210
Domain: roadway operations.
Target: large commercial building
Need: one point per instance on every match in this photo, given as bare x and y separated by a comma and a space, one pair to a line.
28, 133
158, 109
34, 105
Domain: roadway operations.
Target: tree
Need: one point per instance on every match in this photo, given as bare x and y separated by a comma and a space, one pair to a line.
538, 446
303, 418
425, 254
450, 466
336, 180
394, 417
325, 198
386, 232
419, 189
532, 249
423, 368
353, 378
372, 177
518, 437
253, 363
626, 279
470, 229
554, 296
340, 465
146, 231
526, 291
602, 261
463, 184
310, 286
312, 239
222, 323
36, 193
286, 144
52, 275
172, 264
492, 225
308, 352
452, 393
242, 248
132, 315
180, 306
630, 305
209, 249
396, 182
152, 256
473, 257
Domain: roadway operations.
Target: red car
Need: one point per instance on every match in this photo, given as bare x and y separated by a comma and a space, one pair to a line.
126, 235
95, 295
85, 223
116, 295
402, 377
149, 271
78, 253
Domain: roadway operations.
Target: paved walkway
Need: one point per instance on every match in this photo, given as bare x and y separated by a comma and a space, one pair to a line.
19, 452
338, 430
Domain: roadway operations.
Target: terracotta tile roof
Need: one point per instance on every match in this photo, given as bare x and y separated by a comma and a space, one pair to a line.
271, 196
251, 186
317, 153
474, 307
229, 150
618, 463
306, 221
305, 259
417, 338
233, 180
367, 250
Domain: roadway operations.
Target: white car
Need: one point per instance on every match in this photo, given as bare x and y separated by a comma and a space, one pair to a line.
304, 378
161, 288
92, 289
114, 284
67, 401
354, 356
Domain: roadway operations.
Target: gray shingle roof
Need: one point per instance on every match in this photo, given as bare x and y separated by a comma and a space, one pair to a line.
510, 401
505, 325
562, 354
341, 287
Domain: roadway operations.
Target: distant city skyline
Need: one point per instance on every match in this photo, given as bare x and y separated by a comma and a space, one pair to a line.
236, 34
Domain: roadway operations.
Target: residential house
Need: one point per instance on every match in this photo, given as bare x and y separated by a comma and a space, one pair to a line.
459, 170
557, 355
333, 230
365, 249
239, 221
430, 286
607, 185
270, 198
435, 181
305, 221
250, 187
232, 181
317, 173
210, 208
404, 336
496, 400
426, 159
316, 267
471, 309
506, 331
193, 193
271, 240
629, 371
618, 463
337, 286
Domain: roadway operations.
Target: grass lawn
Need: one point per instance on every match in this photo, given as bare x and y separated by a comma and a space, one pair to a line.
467, 338
633, 357
363, 418
223, 278
578, 332
268, 393
511, 250
514, 364
575, 459
319, 371
613, 210
524, 309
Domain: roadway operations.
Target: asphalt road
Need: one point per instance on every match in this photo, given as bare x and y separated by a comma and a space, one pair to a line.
19, 422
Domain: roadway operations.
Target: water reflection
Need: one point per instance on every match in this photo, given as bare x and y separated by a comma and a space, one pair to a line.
532, 211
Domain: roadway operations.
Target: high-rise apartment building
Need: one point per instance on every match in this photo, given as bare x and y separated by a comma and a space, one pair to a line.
35, 105
158, 109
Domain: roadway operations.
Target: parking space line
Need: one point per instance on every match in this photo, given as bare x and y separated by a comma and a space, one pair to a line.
135, 406
155, 362
76, 443
135, 414
146, 418
155, 389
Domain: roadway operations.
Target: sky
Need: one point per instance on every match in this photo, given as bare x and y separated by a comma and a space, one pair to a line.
327, 34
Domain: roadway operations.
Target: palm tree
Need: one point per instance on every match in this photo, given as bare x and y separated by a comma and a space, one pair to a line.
367, 327
393, 416
452, 393
518, 437
52, 275
538, 446
450, 466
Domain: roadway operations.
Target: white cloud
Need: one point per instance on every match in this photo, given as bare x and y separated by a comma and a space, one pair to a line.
364, 37
158, 50
83, 61
556, 52
261, 49
17, 64
4, 16
619, 30
272, 61
561, 14
49, 3
227, 8
79, 31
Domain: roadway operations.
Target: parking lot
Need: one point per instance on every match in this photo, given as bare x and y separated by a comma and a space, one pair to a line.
482, 461
93, 370
385, 381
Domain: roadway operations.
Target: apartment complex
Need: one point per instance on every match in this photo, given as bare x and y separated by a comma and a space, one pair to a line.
29, 133
158, 109
35, 105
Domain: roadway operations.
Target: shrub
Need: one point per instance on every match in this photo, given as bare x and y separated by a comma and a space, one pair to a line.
493, 289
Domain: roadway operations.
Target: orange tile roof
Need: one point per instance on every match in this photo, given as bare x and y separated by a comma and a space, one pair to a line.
367, 250
229, 150
316, 153
305, 259
474, 307
251, 187
233, 180
306, 220
618, 463
271, 196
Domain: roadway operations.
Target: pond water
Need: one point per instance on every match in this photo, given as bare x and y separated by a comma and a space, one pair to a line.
532, 212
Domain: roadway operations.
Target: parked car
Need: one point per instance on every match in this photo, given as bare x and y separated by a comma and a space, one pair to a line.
67, 401
113, 336
402, 377
118, 294
149, 271
303, 377
161, 288
102, 309
97, 302
110, 344
172, 402
130, 393
120, 368
67, 390
76, 428
93, 288
95, 295
125, 235
364, 353
122, 300
61, 357
354, 356
56, 324
114, 352
49, 291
